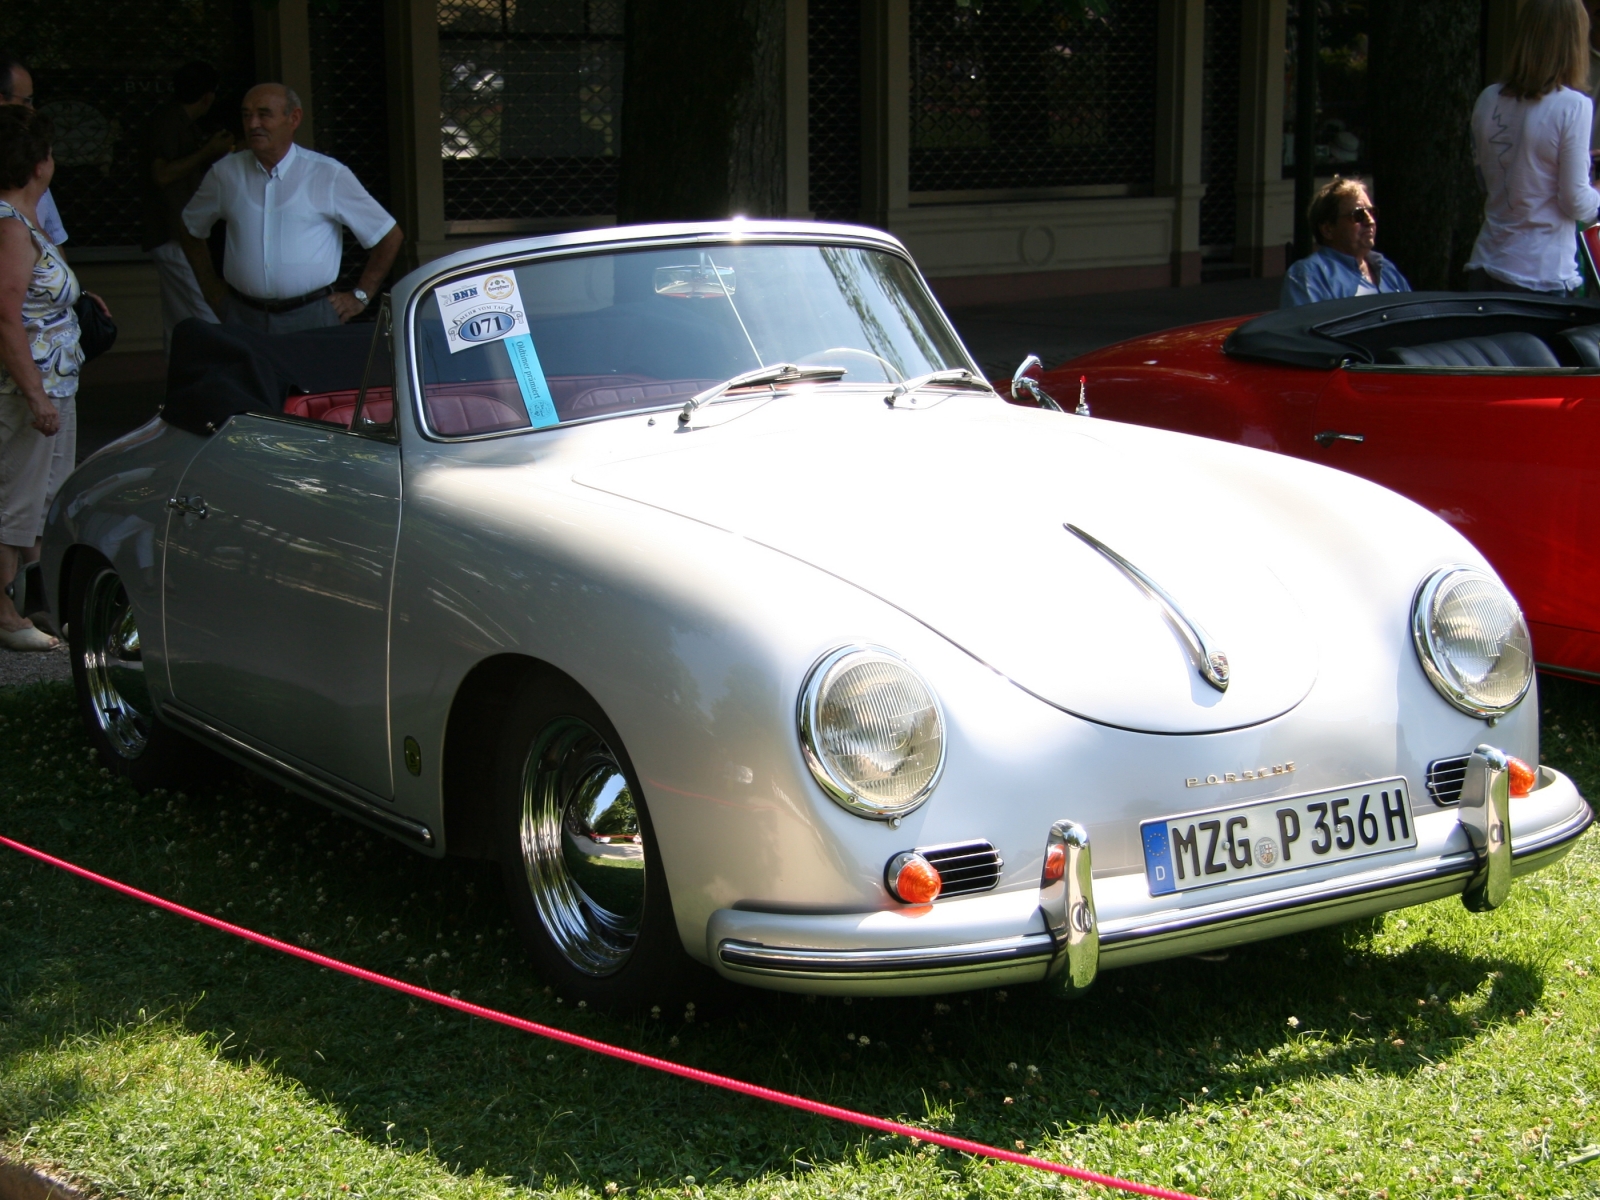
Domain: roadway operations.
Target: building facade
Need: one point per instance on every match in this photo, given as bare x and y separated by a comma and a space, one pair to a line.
1019, 154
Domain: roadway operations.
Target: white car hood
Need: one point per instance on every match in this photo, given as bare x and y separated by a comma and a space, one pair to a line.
955, 514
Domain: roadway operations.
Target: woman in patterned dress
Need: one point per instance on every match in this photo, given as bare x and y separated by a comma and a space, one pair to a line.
39, 361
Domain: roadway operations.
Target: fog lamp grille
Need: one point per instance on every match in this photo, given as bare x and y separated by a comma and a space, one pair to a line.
965, 866
1445, 776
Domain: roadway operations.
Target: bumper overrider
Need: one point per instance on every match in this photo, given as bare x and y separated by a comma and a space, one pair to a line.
1056, 935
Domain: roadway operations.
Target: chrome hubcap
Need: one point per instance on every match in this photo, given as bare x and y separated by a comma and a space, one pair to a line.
114, 667
582, 849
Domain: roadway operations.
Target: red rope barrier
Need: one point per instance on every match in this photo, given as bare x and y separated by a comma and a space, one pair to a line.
710, 1078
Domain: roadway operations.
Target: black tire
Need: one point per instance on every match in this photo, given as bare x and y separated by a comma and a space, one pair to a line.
595, 916
113, 700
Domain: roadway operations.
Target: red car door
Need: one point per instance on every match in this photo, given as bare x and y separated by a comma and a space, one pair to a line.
1509, 458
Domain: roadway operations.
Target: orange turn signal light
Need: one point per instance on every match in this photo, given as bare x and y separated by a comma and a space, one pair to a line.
1523, 777
912, 879
1055, 863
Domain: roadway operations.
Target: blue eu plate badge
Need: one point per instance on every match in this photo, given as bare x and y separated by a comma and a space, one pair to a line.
1158, 859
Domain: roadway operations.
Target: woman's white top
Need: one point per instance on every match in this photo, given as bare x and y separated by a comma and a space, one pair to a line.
1533, 159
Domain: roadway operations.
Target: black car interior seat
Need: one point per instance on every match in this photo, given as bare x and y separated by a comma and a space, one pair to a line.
1585, 343
1486, 350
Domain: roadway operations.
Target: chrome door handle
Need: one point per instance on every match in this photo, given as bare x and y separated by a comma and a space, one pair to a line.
191, 505
1329, 436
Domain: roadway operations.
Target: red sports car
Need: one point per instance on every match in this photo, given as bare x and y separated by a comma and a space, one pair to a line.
1482, 407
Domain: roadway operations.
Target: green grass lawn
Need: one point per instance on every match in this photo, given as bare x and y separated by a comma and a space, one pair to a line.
1430, 1054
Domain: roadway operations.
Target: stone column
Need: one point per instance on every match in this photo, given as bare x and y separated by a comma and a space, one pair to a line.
1180, 72
283, 54
1265, 198
885, 110
411, 35
796, 108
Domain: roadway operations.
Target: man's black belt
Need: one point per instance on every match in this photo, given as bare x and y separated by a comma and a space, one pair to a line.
281, 306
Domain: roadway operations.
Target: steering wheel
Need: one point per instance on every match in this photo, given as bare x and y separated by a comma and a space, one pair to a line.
843, 356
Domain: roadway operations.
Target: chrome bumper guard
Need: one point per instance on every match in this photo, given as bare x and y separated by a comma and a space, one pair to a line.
1068, 907
1486, 817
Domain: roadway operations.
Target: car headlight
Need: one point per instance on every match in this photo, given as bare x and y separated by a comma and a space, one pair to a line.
871, 731
1472, 641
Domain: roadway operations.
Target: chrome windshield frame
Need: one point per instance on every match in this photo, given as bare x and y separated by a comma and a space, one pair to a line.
415, 288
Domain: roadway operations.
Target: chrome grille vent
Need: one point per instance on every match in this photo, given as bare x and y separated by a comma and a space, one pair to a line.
1445, 776
964, 866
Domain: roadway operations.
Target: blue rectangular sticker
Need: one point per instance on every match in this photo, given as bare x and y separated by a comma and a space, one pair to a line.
1158, 859
530, 379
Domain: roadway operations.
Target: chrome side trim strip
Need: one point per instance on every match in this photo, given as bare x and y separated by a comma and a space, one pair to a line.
914, 960
1209, 661
300, 781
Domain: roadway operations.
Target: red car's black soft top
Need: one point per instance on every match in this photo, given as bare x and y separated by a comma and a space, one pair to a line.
1378, 329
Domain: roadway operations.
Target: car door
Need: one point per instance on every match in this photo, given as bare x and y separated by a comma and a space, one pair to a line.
279, 553
1507, 456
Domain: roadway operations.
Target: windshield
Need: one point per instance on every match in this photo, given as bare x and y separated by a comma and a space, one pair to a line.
572, 338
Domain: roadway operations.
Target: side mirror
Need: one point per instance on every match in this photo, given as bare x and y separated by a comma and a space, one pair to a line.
1022, 385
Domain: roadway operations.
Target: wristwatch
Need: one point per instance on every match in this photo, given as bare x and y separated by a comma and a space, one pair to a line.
361, 296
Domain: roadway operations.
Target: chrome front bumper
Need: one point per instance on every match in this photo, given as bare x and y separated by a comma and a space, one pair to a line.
1004, 939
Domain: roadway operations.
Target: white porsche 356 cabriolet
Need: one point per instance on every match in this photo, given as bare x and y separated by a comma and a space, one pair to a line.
695, 575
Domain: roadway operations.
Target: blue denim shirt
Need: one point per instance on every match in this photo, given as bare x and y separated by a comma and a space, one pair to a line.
1330, 275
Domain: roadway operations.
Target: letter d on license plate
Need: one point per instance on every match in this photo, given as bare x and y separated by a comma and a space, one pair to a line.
1220, 845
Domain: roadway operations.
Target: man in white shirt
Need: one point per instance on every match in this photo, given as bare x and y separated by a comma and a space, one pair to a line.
284, 206
16, 87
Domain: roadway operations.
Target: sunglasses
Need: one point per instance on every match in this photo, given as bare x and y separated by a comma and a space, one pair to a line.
27, 101
1361, 214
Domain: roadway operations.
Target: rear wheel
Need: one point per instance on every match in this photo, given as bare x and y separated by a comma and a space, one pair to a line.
579, 857
113, 697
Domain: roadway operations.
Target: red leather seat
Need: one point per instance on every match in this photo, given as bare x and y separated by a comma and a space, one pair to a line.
615, 395
339, 408
479, 406
457, 414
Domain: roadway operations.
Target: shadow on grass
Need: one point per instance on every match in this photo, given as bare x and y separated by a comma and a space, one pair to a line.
1149, 1041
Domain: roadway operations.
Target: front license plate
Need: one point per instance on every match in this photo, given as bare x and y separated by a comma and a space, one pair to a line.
1221, 845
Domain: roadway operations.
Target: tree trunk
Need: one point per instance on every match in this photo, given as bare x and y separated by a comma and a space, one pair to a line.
1425, 73
702, 110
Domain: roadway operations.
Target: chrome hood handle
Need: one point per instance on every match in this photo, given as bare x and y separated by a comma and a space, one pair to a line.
1211, 662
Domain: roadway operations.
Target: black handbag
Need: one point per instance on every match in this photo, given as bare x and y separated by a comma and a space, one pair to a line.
97, 332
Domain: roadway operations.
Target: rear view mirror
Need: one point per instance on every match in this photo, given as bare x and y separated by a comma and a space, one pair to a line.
695, 282
1022, 385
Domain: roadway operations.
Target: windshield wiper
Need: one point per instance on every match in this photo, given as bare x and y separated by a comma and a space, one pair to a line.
776, 373
956, 377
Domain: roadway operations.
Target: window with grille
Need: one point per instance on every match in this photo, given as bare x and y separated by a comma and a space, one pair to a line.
530, 93
1004, 99
102, 91
349, 107
833, 62
1219, 126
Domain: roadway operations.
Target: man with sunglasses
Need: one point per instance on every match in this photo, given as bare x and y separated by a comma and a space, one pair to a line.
16, 87
1344, 262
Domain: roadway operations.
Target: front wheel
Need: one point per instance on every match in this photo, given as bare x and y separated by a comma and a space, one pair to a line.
579, 857
113, 698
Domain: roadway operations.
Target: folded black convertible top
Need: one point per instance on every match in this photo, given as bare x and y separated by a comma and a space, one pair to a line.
1322, 336
216, 371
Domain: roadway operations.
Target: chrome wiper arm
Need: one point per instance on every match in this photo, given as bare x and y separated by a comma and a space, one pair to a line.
776, 373
951, 377
1209, 661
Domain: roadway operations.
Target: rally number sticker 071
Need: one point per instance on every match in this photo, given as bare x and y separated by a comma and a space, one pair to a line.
479, 309
488, 308
1203, 849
